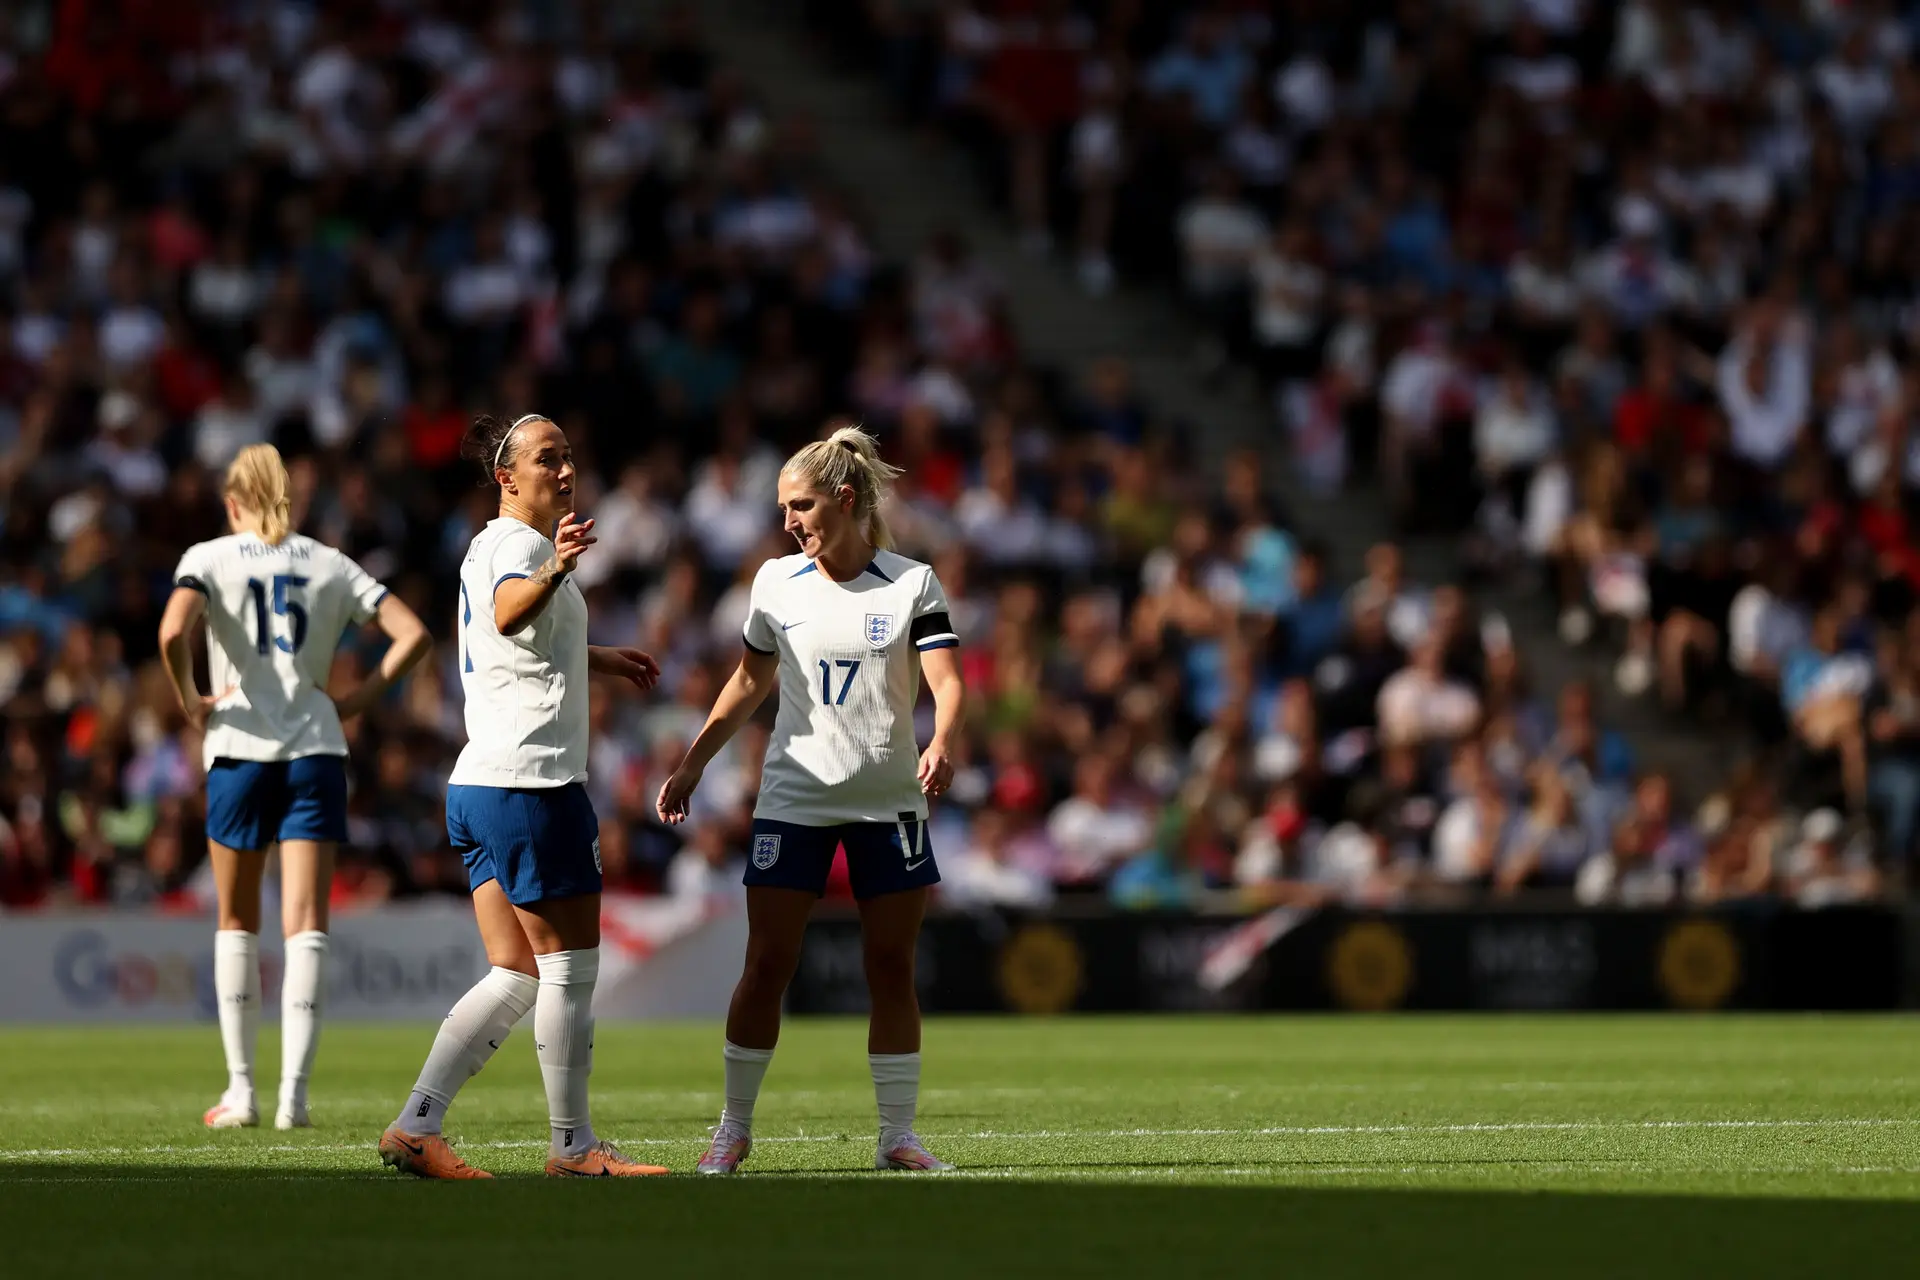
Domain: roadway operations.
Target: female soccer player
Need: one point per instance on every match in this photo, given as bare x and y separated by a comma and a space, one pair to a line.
516, 808
848, 627
276, 605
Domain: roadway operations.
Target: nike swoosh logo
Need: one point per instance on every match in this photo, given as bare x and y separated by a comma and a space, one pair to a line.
493, 1044
581, 1173
791, 625
915, 866
417, 1150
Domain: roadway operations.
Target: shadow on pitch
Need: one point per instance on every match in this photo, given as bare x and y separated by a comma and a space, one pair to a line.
145, 1220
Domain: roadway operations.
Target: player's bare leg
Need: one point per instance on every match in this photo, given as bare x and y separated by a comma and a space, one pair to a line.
236, 979
889, 937
776, 927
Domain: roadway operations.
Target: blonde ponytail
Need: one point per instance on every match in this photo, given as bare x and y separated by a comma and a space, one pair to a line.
257, 481
850, 457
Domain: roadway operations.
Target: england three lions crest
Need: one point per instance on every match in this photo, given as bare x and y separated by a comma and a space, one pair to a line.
766, 851
879, 629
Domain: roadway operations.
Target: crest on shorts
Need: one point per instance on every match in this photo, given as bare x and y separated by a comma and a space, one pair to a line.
879, 629
596, 853
766, 851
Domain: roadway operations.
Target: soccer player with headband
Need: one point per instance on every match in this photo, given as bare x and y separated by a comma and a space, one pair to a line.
517, 810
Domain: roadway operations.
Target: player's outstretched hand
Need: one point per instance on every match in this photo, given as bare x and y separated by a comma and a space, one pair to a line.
628, 664
570, 538
676, 796
936, 770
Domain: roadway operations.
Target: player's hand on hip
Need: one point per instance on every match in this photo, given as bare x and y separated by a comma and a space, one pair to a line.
676, 796
936, 770
573, 536
201, 709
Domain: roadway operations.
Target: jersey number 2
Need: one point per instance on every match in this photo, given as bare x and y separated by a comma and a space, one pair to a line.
284, 606
851, 665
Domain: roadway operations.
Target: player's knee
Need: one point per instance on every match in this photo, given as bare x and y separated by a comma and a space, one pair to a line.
889, 967
767, 972
234, 920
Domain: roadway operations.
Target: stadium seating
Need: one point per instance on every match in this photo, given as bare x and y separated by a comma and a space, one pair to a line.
1614, 295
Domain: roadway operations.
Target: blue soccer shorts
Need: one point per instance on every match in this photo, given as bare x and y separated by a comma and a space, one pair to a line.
882, 857
538, 842
254, 803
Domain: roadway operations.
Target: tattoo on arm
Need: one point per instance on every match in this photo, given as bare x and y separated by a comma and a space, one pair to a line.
547, 574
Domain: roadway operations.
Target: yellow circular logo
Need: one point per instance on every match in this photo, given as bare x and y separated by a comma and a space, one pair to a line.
1699, 964
1370, 966
1041, 969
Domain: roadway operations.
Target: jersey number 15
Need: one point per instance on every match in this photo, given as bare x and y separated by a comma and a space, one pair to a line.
285, 606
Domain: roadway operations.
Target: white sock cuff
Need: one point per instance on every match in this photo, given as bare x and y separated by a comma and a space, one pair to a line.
516, 990
569, 968
235, 941
894, 1066
740, 1053
311, 940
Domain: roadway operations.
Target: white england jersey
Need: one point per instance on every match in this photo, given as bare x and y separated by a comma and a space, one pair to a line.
275, 614
527, 692
843, 748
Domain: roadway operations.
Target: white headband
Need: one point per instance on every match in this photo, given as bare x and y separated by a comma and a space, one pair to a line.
501, 449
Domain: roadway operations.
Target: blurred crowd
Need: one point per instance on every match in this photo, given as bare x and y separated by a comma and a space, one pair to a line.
1476, 236
1621, 295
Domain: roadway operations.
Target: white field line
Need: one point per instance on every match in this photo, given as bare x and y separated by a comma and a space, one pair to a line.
1039, 1135
863, 1092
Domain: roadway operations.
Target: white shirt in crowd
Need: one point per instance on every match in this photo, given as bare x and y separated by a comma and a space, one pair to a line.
1287, 293
275, 614
1544, 288
1764, 422
1093, 837
843, 747
129, 335
526, 692
1511, 432
1604, 882
1414, 706
1218, 238
1863, 391
1459, 834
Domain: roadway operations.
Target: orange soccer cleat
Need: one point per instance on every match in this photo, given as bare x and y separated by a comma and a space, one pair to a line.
424, 1155
601, 1160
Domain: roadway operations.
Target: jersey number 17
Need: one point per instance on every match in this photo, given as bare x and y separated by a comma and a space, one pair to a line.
827, 696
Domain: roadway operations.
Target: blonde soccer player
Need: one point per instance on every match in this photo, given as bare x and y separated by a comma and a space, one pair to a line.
517, 810
276, 605
847, 629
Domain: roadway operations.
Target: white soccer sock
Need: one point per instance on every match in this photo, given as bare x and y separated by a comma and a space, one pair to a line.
236, 986
746, 1068
563, 1035
477, 1025
896, 1089
303, 981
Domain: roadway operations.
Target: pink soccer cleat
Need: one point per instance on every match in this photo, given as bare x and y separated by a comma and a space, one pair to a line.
909, 1154
232, 1112
729, 1147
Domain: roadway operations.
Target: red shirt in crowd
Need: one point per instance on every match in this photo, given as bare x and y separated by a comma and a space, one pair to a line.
1643, 415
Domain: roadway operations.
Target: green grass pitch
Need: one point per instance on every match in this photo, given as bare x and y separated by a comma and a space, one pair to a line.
1256, 1146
